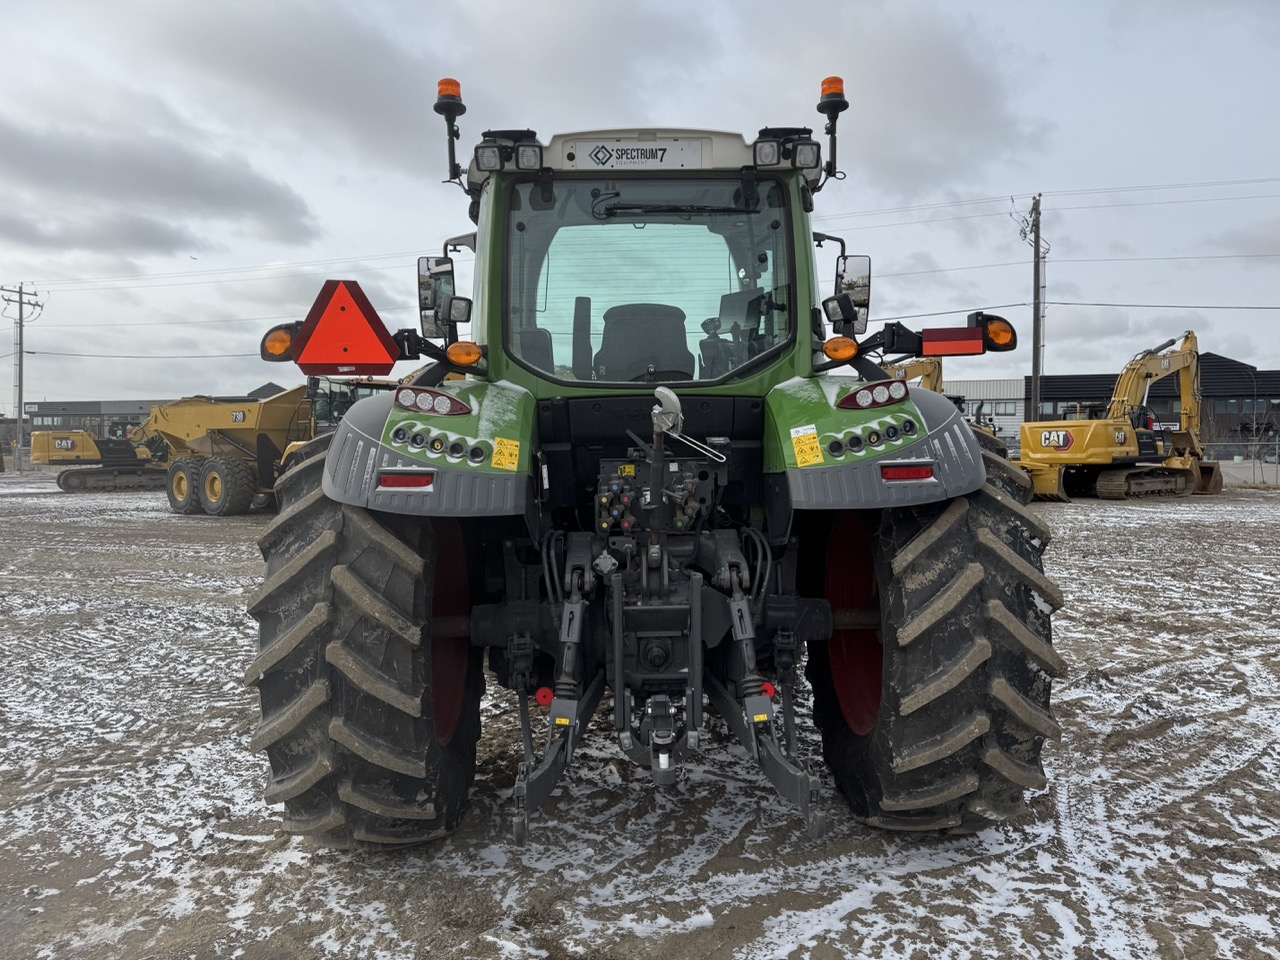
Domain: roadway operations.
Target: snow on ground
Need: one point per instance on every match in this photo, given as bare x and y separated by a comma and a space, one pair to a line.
131, 820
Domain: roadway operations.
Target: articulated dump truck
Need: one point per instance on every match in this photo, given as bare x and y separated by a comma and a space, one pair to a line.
214, 455
666, 477
211, 455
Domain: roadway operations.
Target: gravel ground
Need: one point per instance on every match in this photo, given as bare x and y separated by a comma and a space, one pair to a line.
131, 821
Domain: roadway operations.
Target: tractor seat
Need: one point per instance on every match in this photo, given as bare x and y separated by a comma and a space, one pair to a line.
534, 347
638, 336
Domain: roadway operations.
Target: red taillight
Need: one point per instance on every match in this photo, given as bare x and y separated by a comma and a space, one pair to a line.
879, 394
430, 401
419, 481
924, 472
544, 696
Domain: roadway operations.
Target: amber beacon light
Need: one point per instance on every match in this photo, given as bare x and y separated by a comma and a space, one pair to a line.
449, 89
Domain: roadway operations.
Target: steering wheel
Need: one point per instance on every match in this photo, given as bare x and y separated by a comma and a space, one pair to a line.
660, 375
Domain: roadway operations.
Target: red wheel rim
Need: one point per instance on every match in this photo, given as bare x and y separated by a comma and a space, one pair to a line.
450, 656
857, 660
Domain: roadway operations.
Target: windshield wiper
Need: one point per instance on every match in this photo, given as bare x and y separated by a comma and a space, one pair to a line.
613, 209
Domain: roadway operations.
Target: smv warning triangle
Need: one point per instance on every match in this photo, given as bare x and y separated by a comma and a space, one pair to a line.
343, 335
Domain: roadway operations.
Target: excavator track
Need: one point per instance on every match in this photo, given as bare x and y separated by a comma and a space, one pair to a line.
100, 479
1136, 482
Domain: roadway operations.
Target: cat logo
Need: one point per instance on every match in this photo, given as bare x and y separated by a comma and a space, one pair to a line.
1059, 440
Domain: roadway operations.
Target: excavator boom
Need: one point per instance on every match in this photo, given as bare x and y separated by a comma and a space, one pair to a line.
1133, 386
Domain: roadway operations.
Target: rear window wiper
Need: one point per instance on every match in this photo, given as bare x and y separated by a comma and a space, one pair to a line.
613, 209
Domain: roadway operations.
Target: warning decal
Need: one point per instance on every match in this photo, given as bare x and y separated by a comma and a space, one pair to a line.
506, 454
804, 441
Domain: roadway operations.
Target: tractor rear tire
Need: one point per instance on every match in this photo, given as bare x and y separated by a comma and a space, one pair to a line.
935, 720
227, 486
183, 486
369, 722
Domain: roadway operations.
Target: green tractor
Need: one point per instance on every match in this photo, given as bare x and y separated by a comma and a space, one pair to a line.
664, 470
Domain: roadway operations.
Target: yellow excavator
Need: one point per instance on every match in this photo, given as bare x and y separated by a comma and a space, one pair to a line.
102, 463
928, 370
1126, 453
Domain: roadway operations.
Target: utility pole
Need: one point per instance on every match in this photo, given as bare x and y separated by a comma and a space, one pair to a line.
1037, 322
23, 300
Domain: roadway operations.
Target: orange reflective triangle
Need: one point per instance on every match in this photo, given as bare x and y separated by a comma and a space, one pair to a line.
343, 335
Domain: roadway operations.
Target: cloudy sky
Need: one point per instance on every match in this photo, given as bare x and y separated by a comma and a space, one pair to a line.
178, 176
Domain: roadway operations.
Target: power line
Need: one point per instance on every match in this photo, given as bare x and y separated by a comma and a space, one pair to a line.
943, 204
906, 223
1077, 303
175, 324
191, 323
137, 356
1161, 306
1164, 186
949, 313
199, 283
1209, 256
979, 216
1165, 203
1058, 260
220, 270
71, 284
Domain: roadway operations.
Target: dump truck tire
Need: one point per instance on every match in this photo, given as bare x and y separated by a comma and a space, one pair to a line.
227, 486
183, 486
370, 722
935, 720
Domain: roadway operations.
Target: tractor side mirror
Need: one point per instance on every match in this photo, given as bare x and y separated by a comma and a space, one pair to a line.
853, 291
435, 285
454, 311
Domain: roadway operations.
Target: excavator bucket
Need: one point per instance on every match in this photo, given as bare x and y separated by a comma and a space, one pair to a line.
1209, 478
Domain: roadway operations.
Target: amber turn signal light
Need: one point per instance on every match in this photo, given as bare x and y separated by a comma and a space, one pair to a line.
277, 345
1000, 334
464, 353
840, 349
